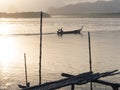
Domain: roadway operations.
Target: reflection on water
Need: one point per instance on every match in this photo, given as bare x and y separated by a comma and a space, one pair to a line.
6, 27
7, 49
67, 54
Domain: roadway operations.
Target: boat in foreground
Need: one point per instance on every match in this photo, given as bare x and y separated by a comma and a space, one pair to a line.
61, 32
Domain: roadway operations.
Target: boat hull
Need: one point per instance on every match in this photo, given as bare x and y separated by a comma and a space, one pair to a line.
70, 32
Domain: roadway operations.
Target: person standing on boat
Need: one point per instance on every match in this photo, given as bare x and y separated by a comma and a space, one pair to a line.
61, 30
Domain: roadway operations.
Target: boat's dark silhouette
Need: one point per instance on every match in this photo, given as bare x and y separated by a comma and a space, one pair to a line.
61, 32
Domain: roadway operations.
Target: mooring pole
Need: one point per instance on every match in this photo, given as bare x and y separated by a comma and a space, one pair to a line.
72, 87
25, 69
90, 60
40, 57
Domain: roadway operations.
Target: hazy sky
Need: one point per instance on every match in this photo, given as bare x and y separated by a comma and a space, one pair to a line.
35, 5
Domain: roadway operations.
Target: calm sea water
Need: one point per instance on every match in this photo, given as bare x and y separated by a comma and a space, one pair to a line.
68, 54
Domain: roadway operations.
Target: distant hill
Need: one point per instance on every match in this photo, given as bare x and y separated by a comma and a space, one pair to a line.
23, 15
112, 6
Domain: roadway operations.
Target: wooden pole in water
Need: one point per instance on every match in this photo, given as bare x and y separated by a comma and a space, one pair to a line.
90, 60
73, 87
25, 69
40, 57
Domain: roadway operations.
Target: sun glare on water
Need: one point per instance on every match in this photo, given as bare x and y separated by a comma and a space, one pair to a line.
6, 27
7, 44
7, 50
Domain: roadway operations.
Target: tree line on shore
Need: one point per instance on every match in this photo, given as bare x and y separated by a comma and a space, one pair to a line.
23, 15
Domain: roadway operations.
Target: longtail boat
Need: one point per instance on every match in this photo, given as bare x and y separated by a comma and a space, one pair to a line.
61, 32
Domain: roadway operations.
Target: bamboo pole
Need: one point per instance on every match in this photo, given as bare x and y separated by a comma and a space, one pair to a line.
25, 69
72, 87
90, 59
40, 57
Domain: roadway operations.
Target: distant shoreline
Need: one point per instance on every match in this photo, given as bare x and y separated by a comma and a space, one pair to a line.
24, 15
46, 15
87, 15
